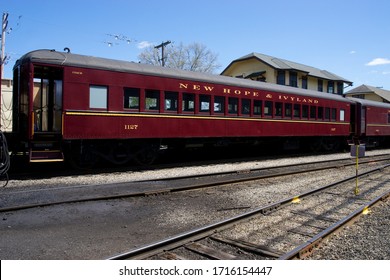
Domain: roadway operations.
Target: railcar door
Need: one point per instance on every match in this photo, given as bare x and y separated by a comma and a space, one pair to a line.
47, 114
363, 120
358, 120
47, 100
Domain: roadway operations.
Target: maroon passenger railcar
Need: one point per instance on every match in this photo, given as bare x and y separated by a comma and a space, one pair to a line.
89, 108
373, 125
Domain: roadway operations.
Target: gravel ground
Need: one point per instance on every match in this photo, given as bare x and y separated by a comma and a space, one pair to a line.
174, 172
101, 229
366, 239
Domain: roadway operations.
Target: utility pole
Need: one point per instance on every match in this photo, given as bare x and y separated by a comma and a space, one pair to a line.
4, 24
162, 46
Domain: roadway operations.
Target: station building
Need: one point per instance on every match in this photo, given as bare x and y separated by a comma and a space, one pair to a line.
265, 68
370, 93
6, 105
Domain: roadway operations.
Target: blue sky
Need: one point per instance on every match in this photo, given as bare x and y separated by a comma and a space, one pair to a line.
349, 38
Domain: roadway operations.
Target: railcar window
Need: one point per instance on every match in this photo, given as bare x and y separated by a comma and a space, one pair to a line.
245, 106
204, 103
313, 112
233, 105
219, 104
305, 111
257, 106
171, 101
268, 105
188, 102
327, 114
388, 118
98, 97
334, 114
152, 99
320, 113
278, 109
288, 110
131, 98
297, 111
342, 115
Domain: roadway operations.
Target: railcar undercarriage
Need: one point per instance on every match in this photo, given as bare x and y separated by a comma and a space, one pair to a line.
87, 153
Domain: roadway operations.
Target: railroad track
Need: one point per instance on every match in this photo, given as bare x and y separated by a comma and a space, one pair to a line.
18, 200
286, 229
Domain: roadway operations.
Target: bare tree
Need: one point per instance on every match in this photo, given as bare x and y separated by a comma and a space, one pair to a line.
194, 57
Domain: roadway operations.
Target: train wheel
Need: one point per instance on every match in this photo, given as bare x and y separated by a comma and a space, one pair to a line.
316, 145
119, 154
146, 154
84, 157
330, 144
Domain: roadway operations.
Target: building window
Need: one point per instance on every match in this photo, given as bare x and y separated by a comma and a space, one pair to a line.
304, 82
330, 87
340, 88
293, 79
131, 98
320, 85
281, 78
361, 96
98, 97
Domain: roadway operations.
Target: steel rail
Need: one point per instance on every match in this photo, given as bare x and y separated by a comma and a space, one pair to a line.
307, 247
181, 239
365, 160
246, 176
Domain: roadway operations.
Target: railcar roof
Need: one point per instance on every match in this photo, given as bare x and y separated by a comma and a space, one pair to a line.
366, 102
84, 61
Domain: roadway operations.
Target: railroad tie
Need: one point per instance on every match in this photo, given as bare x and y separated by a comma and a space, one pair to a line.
209, 252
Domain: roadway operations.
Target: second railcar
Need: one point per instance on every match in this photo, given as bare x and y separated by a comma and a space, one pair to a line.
371, 122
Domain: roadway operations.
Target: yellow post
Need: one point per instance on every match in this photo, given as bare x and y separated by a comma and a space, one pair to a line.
357, 170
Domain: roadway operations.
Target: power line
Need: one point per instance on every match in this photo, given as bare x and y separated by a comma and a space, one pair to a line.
119, 37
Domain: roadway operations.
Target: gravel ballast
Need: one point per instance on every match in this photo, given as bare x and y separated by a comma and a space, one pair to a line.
98, 230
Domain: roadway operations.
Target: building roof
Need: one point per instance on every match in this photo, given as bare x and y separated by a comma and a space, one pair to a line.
283, 64
364, 89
